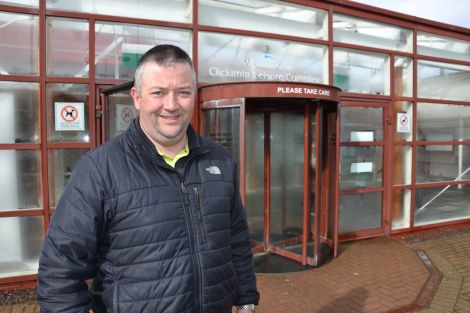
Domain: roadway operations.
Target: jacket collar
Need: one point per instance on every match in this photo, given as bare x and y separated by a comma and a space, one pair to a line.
145, 147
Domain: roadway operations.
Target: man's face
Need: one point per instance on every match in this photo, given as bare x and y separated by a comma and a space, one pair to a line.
166, 102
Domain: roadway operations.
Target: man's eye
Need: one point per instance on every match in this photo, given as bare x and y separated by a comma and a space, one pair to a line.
157, 93
184, 93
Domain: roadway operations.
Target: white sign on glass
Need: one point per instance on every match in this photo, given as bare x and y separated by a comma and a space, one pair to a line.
125, 113
69, 116
403, 123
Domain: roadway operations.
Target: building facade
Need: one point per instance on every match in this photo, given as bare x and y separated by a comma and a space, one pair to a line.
404, 113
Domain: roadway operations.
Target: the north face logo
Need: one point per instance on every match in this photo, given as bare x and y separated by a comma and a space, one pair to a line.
214, 170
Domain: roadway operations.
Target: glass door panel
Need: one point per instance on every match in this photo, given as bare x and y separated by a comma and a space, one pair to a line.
120, 111
254, 176
287, 180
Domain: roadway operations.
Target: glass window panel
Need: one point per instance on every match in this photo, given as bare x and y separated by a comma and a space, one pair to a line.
361, 124
353, 30
402, 160
287, 175
360, 211
224, 58
20, 186
361, 72
19, 255
59, 97
120, 46
401, 209
67, 47
254, 178
442, 163
442, 204
61, 164
403, 121
19, 104
403, 68
443, 47
265, 16
223, 126
22, 3
437, 80
443, 122
173, 11
19, 44
361, 167
120, 112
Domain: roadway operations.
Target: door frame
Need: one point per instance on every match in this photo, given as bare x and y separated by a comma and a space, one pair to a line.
102, 94
385, 143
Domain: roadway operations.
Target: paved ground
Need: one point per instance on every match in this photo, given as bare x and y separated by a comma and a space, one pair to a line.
428, 273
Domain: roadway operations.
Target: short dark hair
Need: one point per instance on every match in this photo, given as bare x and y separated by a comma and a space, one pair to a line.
163, 55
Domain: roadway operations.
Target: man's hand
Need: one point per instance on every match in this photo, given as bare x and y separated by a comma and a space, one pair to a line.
245, 311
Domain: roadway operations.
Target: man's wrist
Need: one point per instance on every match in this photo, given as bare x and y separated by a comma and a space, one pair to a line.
246, 307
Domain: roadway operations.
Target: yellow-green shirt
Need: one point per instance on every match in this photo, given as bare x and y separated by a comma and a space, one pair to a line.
172, 161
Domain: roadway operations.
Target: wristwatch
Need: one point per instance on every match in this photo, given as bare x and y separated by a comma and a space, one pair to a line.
246, 307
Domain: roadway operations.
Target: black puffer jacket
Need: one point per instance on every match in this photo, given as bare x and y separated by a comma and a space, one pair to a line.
154, 238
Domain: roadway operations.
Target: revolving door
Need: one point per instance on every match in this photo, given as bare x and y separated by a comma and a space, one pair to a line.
284, 138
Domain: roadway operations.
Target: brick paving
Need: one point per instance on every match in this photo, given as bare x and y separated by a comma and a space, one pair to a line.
370, 276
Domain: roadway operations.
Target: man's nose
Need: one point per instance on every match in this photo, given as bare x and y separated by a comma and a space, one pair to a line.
172, 102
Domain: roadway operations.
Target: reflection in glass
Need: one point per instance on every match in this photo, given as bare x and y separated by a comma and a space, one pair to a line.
361, 72
255, 175
437, 80
361, 124
120, 112
225, 58
67, 47
20, 253
19, 44
403, 121
402, 160
172, 11
443, 47
361, 167
287, 173
57, 96
223, 126
403, 68
20, 186
401, 209
265, 16
61, 163
119, 46
442, 163
443, 122
19, 104
22, 3
357, 31
442, 204
360, 211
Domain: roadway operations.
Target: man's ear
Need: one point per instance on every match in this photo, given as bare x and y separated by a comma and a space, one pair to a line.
136, 98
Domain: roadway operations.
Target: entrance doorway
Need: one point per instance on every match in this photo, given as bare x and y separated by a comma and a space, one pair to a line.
287, 151
115, 110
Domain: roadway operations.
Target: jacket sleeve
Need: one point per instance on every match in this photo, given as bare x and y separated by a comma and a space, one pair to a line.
69, 254
242, 255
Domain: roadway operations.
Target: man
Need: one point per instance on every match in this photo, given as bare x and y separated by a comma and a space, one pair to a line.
154, 215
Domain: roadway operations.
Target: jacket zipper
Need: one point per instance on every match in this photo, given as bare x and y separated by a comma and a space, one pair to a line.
199, 213
193, 245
